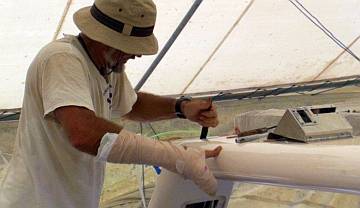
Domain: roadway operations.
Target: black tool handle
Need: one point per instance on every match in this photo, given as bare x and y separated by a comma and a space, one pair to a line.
204, 132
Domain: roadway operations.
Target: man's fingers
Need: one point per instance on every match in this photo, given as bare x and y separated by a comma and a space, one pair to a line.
206, 104
213, 153
209, 114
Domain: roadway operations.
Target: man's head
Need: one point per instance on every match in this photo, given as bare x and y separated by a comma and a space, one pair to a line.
124, 25
106, 58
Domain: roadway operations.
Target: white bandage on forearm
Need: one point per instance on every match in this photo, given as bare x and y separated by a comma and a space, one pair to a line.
106, 144
130, 148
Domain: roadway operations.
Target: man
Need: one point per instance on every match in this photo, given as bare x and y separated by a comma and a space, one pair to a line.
73, 86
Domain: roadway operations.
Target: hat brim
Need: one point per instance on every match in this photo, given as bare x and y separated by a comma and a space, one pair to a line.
99, 32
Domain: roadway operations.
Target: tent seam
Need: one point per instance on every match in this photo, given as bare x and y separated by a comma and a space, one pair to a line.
335, 59
218, 46
62, 20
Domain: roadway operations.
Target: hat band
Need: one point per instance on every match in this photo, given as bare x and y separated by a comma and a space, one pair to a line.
119, 26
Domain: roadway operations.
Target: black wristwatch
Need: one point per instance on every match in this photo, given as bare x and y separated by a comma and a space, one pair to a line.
178, 111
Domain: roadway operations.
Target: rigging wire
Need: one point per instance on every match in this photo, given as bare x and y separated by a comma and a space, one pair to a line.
153, 130
321, 26
335, 59
142, 178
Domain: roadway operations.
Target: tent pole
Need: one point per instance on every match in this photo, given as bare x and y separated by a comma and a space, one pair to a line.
169, 43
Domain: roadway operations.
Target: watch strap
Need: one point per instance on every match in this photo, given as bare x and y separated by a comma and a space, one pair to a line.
178, 110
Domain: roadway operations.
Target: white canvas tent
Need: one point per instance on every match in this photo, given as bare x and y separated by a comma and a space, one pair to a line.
271, 43
227, 45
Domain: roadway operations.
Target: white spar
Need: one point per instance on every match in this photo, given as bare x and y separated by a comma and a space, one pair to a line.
320, 167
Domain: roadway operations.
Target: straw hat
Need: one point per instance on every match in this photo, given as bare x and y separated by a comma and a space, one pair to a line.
126, 25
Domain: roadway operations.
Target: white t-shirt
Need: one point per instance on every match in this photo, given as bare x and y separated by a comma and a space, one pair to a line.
46, 170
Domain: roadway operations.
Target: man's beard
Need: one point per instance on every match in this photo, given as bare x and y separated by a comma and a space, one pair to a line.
107, 70
113, 66
118, 68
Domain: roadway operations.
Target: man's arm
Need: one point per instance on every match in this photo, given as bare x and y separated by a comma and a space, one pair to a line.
86, 132
84, 129
149, 107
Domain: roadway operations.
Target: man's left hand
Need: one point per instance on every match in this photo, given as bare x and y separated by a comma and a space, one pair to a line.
200, 111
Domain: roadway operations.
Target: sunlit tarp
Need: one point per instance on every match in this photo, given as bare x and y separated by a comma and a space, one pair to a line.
25, 27
272, 44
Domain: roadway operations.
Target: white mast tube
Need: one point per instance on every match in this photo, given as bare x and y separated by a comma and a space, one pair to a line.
319, 167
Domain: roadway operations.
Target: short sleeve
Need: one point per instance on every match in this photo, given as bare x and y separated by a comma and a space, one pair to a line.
65, 83
124, 95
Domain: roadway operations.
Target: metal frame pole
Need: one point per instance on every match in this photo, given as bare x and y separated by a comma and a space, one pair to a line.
169, 43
